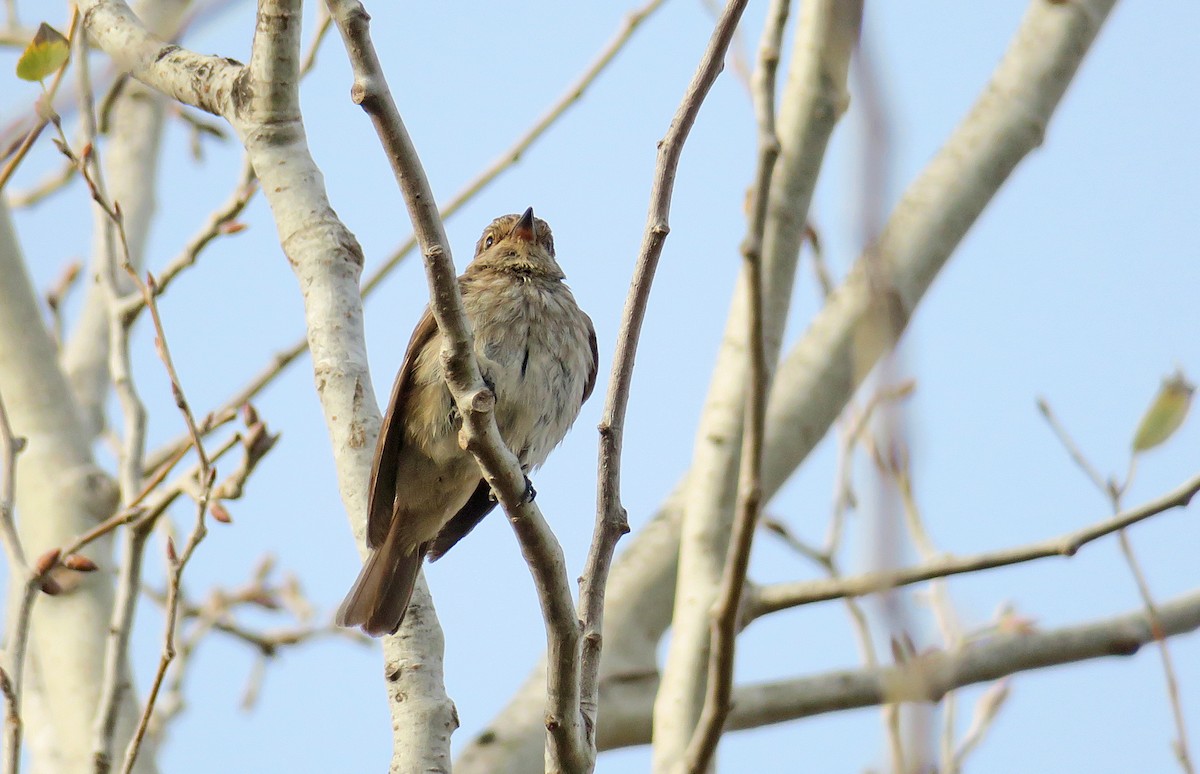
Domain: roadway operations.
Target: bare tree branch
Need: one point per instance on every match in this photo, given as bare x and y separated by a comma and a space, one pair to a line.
719, 681
761, 704
814, 383
769, 599
18, 569
814, 99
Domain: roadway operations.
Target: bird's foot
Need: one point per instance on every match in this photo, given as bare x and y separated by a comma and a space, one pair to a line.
527, 497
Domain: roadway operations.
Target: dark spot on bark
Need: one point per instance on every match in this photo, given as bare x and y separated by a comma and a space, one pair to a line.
487, 737
165, 52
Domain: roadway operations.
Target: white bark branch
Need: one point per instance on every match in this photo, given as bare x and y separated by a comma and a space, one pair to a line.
926, 679
130, 163
62, 493
813, 100
782, 596
261, 103
806, 396
1005, 124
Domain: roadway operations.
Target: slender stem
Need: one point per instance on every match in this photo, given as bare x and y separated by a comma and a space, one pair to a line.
566, 748
10, 447
719, 683
769, 599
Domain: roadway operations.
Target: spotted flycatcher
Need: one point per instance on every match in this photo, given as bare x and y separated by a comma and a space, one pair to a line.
537, 352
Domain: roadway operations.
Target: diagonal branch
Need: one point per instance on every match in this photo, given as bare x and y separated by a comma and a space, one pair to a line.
719, 680
566, 746
814, 100
782, 596
611, 520
761, 704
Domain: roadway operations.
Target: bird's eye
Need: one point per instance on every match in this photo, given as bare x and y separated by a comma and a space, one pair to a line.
488, 242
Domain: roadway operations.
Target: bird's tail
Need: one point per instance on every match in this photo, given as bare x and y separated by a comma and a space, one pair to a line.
379, 598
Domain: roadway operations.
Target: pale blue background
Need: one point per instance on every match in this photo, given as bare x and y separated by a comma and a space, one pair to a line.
1079, 283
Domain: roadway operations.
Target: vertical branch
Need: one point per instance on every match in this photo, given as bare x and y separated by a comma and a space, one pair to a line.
133, 128
611, 520
114, 682
813, 101
719, 682
1114, 492
18, 569
205, 477
114, 679
566, 747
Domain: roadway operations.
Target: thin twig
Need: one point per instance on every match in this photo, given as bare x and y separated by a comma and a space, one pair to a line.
206, 476
324, 22
374, 278
719, 683
565, 743
114, 683
769, 599
10, 446
1072, 449
1113, 491
611, 519
51, 183
45, 110
218, 223
176, 566
987, 709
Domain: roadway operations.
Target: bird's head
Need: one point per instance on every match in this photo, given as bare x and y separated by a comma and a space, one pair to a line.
518, 243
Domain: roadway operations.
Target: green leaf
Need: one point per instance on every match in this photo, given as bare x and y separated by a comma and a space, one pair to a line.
1166, 413
45, 54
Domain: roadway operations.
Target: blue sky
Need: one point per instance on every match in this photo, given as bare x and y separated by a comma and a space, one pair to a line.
1077, 284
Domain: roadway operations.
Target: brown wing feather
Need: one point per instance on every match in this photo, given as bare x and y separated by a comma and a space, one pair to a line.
591, 380
480, 504
382, 493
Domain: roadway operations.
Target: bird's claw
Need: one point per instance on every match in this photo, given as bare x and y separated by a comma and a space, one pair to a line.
527, 497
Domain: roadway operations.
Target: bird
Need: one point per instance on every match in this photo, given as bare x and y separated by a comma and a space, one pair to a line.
537, 353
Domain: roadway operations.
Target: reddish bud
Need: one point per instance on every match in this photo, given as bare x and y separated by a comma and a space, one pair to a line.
50, 587
233, 227
47, 561
220, 513
79, 563
172, 557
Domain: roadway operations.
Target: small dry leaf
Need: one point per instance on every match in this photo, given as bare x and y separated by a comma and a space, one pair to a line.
45, 53
1165, 414
79, 563
220, 513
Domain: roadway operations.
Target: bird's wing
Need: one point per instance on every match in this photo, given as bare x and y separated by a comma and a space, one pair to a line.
480, 504
591, 380
382, 496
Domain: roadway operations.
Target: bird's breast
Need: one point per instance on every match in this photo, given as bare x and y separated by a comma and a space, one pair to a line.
532, 340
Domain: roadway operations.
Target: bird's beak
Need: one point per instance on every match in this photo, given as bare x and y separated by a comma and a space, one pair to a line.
524, 228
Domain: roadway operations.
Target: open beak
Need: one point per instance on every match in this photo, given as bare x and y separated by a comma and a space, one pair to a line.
524, 228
